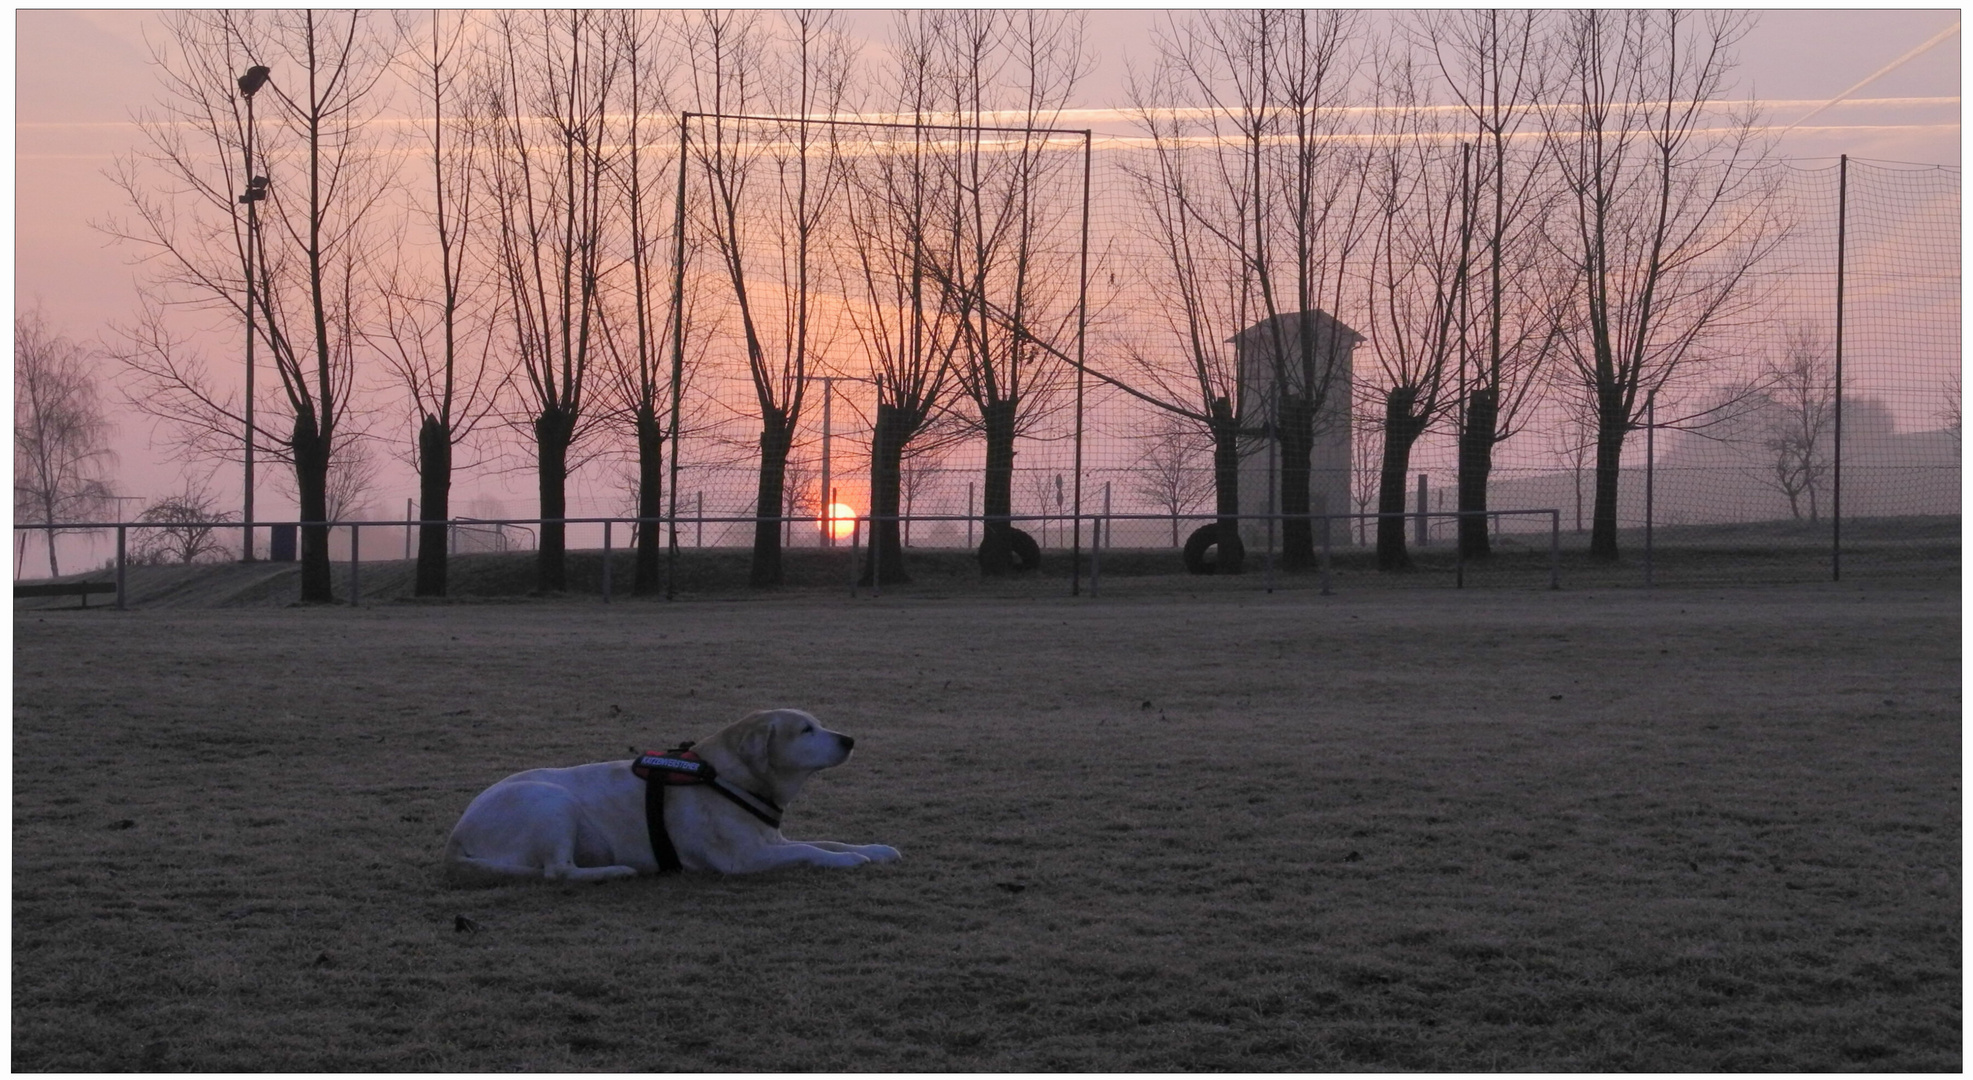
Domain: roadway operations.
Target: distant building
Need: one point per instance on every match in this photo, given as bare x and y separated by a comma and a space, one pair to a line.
1255, 349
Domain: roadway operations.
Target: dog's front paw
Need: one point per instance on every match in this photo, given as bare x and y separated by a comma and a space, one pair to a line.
881, 853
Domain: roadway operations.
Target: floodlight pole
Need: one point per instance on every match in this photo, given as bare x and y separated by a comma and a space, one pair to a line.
256, 190
677, 350
1082, 326
1836, 501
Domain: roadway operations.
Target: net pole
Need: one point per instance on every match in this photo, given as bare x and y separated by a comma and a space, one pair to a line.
677, 351
1836, 501
1650, 475
1082, 326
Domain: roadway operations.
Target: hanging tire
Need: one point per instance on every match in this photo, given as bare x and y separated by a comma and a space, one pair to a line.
1021, 554
1205, 538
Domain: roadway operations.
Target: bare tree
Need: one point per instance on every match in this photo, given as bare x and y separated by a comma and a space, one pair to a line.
910, 329
1668, 208
435, 329
1800, 390
1366, 460
1050, 500
1015, 71
1257, 207
637, 324
1275, 83
549, 84
184, 528
773, 237
61, 437
1204, 294
1574, 442
318, 147
1168, 476
1949, 410
1495, 63
801, 493
1417, 282
921, 473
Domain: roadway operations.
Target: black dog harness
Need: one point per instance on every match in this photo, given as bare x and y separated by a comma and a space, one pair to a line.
679, 766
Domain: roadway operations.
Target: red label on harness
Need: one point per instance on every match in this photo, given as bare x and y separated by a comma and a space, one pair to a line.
672, 767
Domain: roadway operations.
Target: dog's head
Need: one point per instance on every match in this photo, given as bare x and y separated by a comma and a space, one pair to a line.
782, 747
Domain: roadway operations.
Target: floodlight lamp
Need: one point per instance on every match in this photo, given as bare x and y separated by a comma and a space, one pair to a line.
254, 79
256, 190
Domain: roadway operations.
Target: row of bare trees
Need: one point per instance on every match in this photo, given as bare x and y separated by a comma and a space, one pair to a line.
1503, 204
476, 212
543, 222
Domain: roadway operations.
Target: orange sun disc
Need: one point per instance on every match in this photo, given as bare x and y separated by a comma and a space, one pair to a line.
842, 521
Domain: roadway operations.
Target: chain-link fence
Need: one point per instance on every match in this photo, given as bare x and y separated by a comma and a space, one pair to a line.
1749, 436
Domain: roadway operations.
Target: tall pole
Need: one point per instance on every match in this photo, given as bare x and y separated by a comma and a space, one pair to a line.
827, 493
1836, 503
251, 197
1650, 476
1082, 325
677, 350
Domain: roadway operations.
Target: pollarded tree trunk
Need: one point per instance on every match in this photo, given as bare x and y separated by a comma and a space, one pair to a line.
1476, 443
434, 504
650, 500
775, 439
1401, 430
311, 454
1231, 556
1296, 422
1610, 433
554, 431
894, 428
997, 489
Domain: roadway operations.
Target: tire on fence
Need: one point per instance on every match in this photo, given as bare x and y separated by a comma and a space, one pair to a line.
1226, 557
1022, 554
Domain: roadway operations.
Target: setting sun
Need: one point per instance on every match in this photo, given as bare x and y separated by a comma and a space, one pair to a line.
842, 520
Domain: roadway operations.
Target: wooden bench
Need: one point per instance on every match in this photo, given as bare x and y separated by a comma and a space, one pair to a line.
84, 589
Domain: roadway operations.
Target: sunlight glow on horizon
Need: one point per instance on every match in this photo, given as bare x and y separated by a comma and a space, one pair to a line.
842, 521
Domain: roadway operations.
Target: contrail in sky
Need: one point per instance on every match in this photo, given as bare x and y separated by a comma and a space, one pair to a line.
1880, 73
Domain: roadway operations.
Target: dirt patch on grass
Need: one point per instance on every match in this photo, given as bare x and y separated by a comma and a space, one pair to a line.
1690, 829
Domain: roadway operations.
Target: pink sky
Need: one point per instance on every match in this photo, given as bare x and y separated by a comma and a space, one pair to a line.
79, 75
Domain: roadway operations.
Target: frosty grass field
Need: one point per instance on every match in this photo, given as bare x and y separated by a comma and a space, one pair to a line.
1696, 828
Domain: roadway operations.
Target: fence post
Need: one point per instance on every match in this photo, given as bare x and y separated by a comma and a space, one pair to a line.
1100, 531
120, 563
1424, 528
1325, 556
1459, 558
1268, 584
1095, 557
1555, 549
355, 579
855, 540
606, 562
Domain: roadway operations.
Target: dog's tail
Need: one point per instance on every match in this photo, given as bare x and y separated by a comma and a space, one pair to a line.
461, 869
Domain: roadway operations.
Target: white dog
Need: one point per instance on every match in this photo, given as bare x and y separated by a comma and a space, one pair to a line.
589, 823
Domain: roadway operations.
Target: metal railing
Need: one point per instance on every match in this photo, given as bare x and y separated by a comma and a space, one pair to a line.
1101, 529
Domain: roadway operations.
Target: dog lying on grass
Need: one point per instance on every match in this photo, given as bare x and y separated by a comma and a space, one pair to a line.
589, 823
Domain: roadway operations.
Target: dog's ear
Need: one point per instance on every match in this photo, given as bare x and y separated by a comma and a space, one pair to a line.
754, 743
